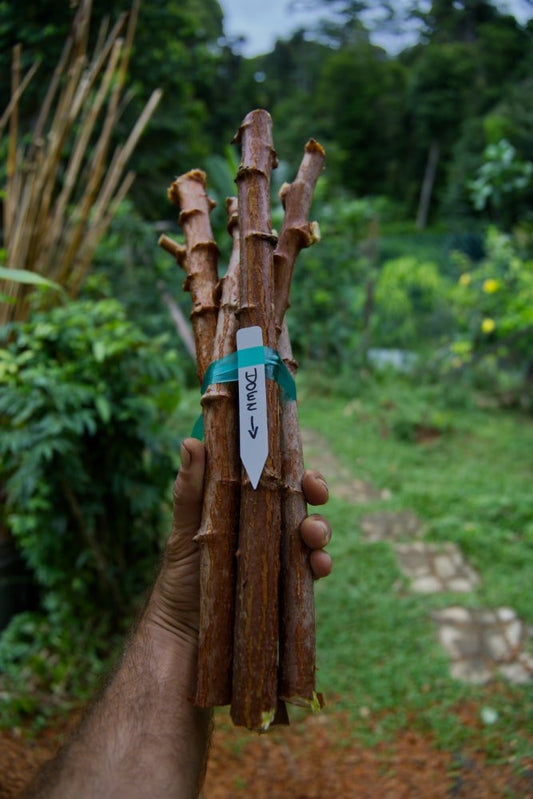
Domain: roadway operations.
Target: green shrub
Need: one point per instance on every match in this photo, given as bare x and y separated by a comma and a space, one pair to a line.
410, 304
130, 266
501, 182
87, 456
331, 282
492, 301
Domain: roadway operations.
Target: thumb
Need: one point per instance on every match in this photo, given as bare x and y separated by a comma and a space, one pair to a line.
188, 488
174, 604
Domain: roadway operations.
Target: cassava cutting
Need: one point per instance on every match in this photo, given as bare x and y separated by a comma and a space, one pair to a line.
257, 625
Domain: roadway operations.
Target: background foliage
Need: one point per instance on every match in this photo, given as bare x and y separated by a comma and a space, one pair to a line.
87, 457
89, 390
376, 113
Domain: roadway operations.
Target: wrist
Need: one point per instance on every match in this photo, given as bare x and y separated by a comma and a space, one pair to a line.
174, 604
168, 627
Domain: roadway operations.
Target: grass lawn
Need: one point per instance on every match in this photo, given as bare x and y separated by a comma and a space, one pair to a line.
469, 480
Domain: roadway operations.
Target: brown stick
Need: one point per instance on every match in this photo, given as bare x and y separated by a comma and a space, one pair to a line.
296, 231
297, 609
11, 166
297, 615
220, 516
254, 698
180, 320
188, 192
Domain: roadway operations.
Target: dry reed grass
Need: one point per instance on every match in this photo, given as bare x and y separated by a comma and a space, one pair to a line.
63, 183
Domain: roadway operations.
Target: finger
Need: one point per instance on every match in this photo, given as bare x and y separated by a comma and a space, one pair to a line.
315, 531
321, 563
315, 488
188, 488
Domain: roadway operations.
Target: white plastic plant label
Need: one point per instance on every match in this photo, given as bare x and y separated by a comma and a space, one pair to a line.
253, 424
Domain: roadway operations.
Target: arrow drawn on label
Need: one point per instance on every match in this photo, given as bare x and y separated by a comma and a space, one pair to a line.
253, 429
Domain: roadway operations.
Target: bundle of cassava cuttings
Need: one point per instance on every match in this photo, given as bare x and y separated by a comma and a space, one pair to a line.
257, 625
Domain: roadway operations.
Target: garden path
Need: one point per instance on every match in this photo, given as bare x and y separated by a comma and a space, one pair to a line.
319, 756
481, 643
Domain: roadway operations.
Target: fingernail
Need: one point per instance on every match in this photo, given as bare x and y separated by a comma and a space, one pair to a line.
185, 456
325, 534
323, 482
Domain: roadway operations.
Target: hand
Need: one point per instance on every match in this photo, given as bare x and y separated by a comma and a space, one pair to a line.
175, 602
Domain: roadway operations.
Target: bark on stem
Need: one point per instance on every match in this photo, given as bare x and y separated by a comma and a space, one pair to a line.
296, 231
254, 698
188, 192
297, 638
297, 613
220, 516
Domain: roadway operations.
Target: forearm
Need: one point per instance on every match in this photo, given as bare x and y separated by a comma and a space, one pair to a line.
144, 737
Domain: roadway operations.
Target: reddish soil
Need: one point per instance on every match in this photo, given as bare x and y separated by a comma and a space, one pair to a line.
311, 759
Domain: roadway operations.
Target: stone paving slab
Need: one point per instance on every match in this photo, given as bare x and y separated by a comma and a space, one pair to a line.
482, 644
386, 525
435, 567
485, 643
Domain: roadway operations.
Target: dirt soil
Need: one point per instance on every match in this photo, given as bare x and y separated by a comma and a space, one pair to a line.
312, 759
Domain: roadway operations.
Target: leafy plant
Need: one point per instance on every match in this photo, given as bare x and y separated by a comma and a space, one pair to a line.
502, 176
44, 668
29, 278
411, 304
87, 456
129, 265
492, 300
332, 286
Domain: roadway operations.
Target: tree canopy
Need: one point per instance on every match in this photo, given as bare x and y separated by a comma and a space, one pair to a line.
377, 112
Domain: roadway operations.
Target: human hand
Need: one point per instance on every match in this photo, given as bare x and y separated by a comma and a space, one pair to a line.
175, 602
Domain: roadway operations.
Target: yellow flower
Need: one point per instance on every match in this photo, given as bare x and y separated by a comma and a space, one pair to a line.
488, 325
490, 286
465, 279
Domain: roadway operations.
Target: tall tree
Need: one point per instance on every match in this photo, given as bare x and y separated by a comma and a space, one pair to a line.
454, 20
360, 114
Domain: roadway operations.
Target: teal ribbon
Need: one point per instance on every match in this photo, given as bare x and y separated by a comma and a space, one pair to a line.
226, 370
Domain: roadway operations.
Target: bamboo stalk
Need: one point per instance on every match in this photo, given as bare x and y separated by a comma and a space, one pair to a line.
53, 229
217, 536
59, 71
180, 321
297, 615
82, 260
17, 94
178, 251
12, 185
46, 176
254, 699
97, 198
9, 208
123, 153
80, 149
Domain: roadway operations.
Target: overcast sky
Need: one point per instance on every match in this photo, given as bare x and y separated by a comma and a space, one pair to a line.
264, 21
261, 22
